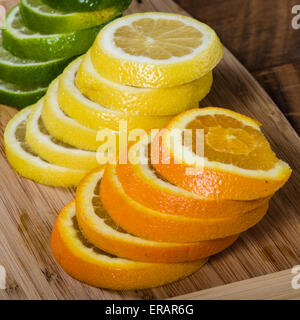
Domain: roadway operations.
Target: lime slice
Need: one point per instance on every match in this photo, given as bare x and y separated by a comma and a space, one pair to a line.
38, 16
19, 96
86, 5
26, 72
25, 43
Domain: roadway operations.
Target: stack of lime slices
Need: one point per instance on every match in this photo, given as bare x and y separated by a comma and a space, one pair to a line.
38, 40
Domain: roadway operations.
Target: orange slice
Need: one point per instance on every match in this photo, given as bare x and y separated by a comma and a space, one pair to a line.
146, 186
155, 225
99, 228
86, 263
238, 162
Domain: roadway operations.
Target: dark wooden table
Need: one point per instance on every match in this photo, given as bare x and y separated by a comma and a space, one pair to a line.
260, 34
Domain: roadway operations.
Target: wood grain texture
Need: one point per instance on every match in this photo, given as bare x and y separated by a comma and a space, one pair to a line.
28, 210
260, 34
252, 289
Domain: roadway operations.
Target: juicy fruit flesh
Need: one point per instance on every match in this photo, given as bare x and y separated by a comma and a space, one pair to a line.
158, 39
235, 141
102, 213
229, 141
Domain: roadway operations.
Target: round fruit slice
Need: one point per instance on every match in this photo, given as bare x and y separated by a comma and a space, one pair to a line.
86, 263
95, 116
25, 43
153, 101
40, 17
238, 162
26, 72
145, 185
27, 163
87, 5
99, 228
64, 128
156, 50
19, 96
53, 150
155, 225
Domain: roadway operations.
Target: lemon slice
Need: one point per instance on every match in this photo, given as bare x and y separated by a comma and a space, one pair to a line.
94, 115
153, 101
156, 50
27, 163
53, 150
64, 128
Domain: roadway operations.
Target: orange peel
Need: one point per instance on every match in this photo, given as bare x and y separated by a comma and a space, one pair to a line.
145, 185
99, 228
154, 225
238, 162
86, 263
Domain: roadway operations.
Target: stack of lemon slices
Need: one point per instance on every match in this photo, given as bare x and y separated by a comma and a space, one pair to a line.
142, 69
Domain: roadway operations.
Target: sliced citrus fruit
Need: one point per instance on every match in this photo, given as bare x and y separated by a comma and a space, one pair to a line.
87, 5
25, 43
19, 96
145, 185
86, 263
53, 150
153, 101
27, 163
147, 223
95, 116
238, 162
40, 17
99, 228
64, 128
156, 50
27, 72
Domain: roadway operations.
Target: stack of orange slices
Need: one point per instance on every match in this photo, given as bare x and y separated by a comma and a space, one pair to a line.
92, 248
146, 223
185, 196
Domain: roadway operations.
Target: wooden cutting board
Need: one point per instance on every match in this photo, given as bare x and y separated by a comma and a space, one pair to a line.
28, 211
